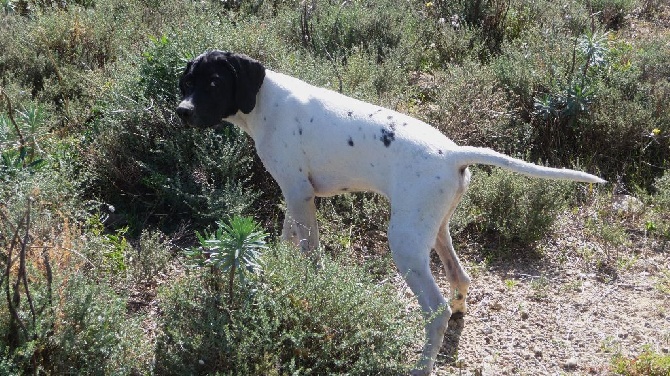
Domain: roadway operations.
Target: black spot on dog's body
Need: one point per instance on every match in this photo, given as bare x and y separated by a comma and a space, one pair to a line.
300, 131
311, 120
350, 141
349, 113
404, 124
440, 151
387, 137
376, 112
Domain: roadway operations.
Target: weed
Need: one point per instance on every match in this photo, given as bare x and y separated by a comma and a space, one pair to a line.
511, 283
234, 248
663, 282
648, 363
540, 287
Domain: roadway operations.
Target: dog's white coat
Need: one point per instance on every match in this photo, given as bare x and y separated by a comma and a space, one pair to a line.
316, 142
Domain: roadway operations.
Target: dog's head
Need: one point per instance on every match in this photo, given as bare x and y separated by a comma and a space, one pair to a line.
216, 85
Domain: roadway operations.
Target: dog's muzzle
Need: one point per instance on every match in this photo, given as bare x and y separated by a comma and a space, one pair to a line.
185, 111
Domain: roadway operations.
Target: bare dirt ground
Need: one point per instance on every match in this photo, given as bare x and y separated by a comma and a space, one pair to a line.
565, 313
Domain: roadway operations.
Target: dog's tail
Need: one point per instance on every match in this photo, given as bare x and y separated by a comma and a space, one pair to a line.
469, 155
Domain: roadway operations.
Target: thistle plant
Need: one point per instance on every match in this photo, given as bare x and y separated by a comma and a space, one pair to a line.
234, 248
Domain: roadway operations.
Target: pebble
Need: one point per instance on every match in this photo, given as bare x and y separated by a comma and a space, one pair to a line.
571, 363
524, 315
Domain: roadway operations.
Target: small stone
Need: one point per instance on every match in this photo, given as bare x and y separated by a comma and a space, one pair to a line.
496, 306
570, 364
524, 315
487, 330
537, 352
665, 350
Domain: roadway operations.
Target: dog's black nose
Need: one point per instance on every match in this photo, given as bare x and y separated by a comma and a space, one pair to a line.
185, 111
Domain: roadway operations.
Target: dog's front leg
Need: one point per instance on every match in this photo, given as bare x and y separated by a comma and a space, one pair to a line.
300, 227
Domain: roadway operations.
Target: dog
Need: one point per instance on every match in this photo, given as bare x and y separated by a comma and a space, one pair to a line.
316, 142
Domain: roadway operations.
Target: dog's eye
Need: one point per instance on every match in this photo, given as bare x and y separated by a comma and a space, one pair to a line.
213, 83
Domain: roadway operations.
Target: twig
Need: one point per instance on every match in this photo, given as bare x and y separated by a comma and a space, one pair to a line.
47, 266
10, 113
22, 263
16, 299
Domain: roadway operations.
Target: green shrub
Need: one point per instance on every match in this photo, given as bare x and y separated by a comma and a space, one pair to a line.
612, 13
513, 210
595, 101
354, 222
648, 363
172, 175
333, 29
69, 324
291, 318
94, 334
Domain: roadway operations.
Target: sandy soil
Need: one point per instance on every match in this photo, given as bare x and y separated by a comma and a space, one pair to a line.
565, 313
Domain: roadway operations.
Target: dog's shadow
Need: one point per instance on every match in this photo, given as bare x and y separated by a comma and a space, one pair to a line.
449, 350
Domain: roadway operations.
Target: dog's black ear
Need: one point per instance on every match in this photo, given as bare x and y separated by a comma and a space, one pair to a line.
249, 76
183, 74
188, 67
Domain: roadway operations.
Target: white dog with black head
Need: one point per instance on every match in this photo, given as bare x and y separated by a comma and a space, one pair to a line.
316, 142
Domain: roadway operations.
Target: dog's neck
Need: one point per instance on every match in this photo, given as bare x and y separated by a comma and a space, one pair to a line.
241, 120
249, 122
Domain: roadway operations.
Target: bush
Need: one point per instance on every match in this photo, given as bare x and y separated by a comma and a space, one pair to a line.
512, 210
332, 30
648, 363
172, 175
65, 323
290, 318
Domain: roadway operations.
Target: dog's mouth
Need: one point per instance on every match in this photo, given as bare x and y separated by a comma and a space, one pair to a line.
189, 119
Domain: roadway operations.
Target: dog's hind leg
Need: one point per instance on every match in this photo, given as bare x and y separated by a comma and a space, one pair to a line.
411, 252
459, 281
